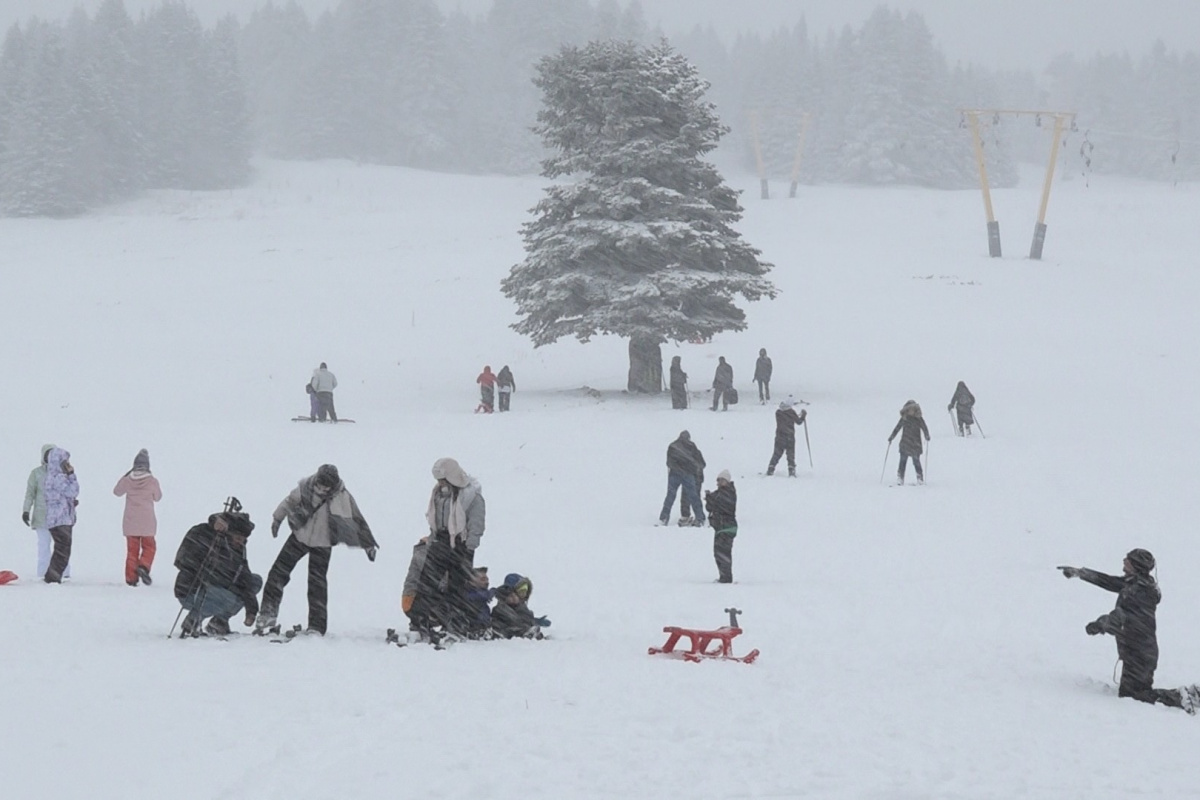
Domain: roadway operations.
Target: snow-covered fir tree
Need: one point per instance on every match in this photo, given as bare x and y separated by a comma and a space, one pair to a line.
641, 242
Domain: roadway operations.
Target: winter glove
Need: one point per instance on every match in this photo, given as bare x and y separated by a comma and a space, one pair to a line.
25, 518
1070, 572
542, 622
1094, 627
249, 620
371, 554
275, 523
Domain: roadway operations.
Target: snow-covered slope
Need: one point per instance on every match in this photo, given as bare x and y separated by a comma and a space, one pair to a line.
915, 642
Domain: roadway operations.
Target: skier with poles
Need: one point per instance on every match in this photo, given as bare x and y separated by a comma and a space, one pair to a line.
1132, 623
913, 426
963, 402
786, 420
321, 513
679, 398
214, 577
762, 376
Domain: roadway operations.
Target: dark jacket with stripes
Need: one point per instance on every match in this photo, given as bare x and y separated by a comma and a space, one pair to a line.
721, 506
1132, 620
913, 427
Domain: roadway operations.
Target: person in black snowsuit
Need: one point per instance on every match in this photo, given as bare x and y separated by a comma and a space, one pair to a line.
214, 577
722, 383
914, 427
965, 403
505, 386
762, 376
786, 420
722, 515
1132, 623
512, 617
684, 463
678, 380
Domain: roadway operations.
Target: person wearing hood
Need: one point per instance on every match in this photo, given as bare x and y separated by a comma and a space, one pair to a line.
1132, 623
34, 513
786, 420
722, 383
62, 493
505, 386
321, 513
323, 383
762, 376
722, 515
685, 463
512, 617
964, 403
214, 580
141, 491
913, 426
487, 390
678, 383
456, 516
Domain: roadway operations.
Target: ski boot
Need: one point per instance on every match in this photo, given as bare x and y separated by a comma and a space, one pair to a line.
770, 471
217, 627
791, 472
1189, 697
266, 624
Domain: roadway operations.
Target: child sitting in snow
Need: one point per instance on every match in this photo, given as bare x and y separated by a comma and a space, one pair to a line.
479, 600
511, 616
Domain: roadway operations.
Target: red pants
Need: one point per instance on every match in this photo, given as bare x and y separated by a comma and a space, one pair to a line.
139, 551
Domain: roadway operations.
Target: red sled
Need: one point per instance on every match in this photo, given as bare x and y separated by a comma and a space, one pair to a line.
7, 576
716, 644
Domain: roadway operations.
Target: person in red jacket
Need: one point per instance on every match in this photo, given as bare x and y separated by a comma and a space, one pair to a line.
487, 390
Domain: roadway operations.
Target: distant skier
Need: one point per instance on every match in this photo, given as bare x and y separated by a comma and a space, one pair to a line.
487, 391
722, 383
786, 420
457, 517
678, 383
684, 463
1133, 624
512, 616
722, 515
34, 513
321, 513
762, 376
505, 386
214, 577
323, 383
141, 491
914, 427
964, 402
62, 492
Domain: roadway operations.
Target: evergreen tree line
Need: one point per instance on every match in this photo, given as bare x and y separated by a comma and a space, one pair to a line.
98, 108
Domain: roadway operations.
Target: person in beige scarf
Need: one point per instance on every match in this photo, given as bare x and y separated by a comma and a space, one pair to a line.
456, 516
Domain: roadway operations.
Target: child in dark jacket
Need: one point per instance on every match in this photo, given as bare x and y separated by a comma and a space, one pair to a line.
512, 616
722, 515
478, 604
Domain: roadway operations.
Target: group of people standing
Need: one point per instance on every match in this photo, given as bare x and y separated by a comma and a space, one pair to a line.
491, 384
724, 393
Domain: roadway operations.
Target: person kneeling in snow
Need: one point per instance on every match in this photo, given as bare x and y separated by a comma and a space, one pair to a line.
512, 617
1132, 623
214, 577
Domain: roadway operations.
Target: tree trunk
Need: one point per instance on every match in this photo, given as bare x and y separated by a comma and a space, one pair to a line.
645, 366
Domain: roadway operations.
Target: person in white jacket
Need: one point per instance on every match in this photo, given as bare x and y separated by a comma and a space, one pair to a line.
34, 513
456, 515
323, 383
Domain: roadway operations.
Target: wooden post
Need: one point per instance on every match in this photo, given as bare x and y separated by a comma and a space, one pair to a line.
993, 227
1039, 229
799, 153
758, 158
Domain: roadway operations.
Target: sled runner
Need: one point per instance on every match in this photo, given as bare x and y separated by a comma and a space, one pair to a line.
716, 644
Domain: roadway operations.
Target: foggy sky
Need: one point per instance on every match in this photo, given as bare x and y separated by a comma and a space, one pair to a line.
1009, 34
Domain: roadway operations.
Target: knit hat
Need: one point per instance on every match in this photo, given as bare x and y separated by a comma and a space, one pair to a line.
449, 469
141, 462
1141, 560
239, 523
788, 403
724, 475
327, 475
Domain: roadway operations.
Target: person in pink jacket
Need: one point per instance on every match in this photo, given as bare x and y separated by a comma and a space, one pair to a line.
141, 491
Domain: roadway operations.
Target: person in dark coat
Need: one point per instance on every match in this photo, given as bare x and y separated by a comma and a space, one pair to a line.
505, 386
722, 383
722, 515
684, 463
478, 603
1132, 623
762, 376
678, 381
964, 402
512, 617
786, 420
214, 577
913, 426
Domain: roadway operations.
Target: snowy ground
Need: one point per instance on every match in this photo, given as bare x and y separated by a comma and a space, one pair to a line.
916, 643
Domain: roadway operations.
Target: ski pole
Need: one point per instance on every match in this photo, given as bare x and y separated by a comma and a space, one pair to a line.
196, 583
953, 426
885, 458
928, 450
977, 425
687, 396
806, 443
